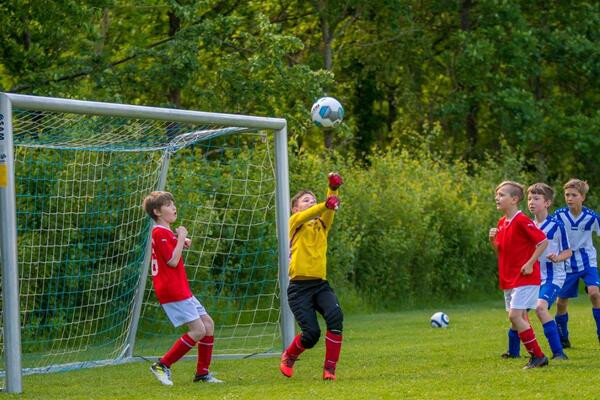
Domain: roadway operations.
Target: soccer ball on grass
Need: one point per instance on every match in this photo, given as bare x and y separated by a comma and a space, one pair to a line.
439, 320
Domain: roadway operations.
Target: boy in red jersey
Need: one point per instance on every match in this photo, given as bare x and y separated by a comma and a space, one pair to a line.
309, 290
173, 291
519, 243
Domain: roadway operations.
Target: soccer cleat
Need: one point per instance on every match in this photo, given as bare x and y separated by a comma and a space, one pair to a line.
536, 362
162, 373
561, 356
565, 343
286, 366
508, 355
208, 378
328, 374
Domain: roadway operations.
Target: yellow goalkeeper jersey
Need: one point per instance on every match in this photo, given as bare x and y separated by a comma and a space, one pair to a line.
308, 241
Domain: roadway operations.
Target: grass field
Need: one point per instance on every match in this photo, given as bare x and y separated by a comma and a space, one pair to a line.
388, 355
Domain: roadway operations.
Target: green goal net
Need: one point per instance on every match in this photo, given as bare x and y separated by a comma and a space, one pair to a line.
82, 235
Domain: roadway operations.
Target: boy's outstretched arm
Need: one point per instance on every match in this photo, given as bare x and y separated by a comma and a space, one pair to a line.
301, 217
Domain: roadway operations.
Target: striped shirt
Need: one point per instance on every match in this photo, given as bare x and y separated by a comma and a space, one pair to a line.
579, 230
558, 241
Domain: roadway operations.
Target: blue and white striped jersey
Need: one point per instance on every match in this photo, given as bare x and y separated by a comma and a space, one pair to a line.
579, 230
557, 242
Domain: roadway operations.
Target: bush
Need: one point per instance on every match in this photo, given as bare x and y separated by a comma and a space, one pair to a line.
412, 228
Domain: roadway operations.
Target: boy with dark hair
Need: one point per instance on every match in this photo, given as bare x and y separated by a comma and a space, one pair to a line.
173, 291
518, 244
552, 266
580, 223
309, 291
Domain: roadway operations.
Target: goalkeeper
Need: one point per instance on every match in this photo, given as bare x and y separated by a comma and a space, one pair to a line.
309, 291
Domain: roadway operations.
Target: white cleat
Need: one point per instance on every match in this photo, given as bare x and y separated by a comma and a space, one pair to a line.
162, 373
208, 378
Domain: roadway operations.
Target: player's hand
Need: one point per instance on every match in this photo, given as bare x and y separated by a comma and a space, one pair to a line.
333, 202
335, 180
493, 233
553, 257
181, 232
187, 243
527, 269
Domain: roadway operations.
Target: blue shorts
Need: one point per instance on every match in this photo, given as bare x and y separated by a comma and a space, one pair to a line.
571, 287
549, 292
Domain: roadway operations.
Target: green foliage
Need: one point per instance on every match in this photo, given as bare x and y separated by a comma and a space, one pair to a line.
412, 225
488, 72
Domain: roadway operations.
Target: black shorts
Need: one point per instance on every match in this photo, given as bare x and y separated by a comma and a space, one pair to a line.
306, 298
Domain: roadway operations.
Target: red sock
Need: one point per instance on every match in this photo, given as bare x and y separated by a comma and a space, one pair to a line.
333, 345
530, 342
178, 350
205, 348
295, 348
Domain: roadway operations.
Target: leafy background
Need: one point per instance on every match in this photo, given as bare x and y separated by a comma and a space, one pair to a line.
443, 100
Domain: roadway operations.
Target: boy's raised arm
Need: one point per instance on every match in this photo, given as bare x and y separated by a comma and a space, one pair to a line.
325, 209
335, 181
181, 236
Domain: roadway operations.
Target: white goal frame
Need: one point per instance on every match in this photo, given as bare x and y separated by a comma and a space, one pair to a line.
8, 226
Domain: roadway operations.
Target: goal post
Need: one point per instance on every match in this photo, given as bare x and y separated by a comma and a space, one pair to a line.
74, 241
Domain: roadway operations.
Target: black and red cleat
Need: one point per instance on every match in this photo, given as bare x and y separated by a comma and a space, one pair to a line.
536, 362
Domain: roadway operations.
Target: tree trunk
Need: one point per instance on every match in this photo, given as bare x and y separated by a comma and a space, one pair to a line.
174, 94
104, 24
327, 36
471, 126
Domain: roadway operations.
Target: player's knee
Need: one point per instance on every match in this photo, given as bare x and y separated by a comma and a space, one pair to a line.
516, 319
197, 330
335, 320
561, 306
209, 326
310, 337
594, 296
541, 311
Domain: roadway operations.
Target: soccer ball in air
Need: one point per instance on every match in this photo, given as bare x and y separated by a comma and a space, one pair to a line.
327, 112
439, 320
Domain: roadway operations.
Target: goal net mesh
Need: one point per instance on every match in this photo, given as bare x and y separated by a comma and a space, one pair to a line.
82, 234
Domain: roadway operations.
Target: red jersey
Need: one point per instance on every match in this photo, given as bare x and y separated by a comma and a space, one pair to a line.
170, 283
516, 240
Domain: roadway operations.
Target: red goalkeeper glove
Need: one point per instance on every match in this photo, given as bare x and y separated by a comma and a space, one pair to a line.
333, 202
335, 180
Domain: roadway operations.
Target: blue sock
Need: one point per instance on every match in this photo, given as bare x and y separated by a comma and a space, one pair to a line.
551, 332
561, 324
514, 343
596, 312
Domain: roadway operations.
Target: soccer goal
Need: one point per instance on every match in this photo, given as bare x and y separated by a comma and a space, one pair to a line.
75, 245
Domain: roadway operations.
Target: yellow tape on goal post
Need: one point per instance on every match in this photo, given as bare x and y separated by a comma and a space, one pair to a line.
3, 175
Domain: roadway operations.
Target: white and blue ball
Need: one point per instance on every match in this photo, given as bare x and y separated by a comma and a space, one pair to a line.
439, 320
327, 112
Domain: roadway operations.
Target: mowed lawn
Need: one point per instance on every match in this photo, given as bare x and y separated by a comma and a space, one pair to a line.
385, 355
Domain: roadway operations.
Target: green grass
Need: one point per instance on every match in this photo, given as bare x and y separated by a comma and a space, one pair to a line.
386, 355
